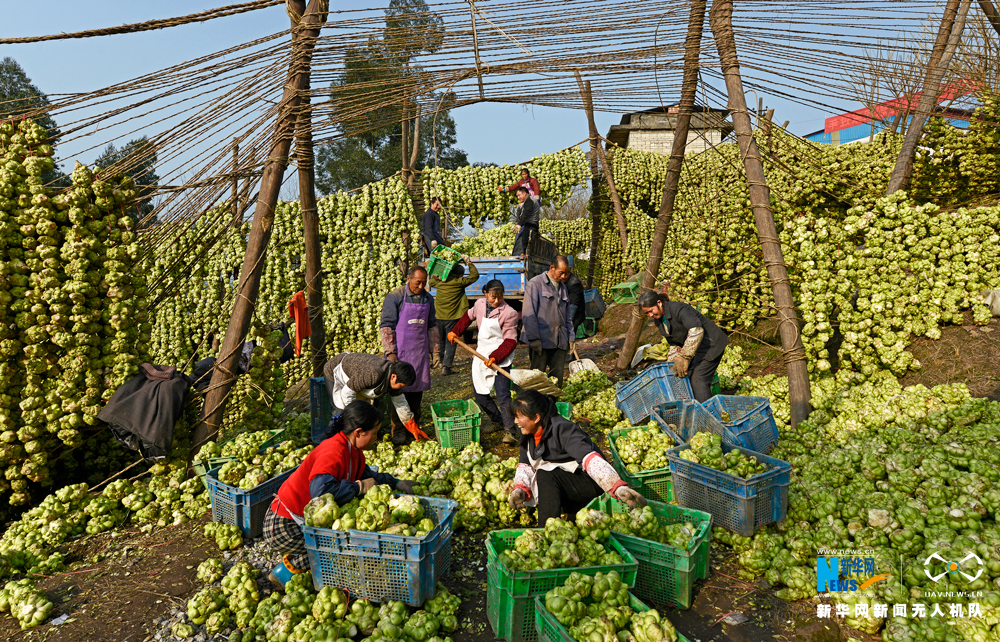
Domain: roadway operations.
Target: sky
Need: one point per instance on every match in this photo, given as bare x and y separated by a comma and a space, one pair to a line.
485, 131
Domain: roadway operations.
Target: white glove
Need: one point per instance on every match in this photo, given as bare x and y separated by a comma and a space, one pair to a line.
630, 497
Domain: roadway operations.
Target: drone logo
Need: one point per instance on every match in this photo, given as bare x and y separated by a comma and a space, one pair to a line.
953, 567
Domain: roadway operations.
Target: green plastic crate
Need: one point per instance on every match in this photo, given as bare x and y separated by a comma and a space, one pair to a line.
445, 253
456, 422
627, 292
551, 630
666, 573
510, 594
202, 466
565, 409
653, 484
716, 388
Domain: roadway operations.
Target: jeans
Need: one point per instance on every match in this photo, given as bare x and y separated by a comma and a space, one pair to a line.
562, 492
501, 414
447, 347
551, 361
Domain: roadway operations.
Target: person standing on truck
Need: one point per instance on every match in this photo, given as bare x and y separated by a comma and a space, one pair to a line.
450, 304
528, 181
527, 220
497, 323
430, 228
547, 326
408, 330
700, 342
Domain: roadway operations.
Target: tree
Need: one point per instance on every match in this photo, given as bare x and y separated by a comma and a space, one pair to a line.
19, 96
375, 105
138, 160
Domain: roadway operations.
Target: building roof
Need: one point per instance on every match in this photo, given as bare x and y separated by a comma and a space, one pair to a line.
665, 118
888, 109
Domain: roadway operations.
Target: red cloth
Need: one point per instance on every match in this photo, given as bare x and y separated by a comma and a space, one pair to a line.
538, 437
531, 183
299, 311
334, 456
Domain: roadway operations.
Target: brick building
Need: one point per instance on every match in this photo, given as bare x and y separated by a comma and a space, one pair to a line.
652, 130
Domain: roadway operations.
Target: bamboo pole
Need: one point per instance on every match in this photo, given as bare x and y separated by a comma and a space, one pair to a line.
689, 91
991, 14
306, 161
952, 24
588, 105
721, 20
306, 24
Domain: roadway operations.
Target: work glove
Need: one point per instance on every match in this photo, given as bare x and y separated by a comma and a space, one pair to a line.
681, 366
392, 357
536, 346
434, 244
405, 486
517, 229
435, 360
451, 337
413, 429
516, 499
466, 259
630, 497
490, 362
365, 485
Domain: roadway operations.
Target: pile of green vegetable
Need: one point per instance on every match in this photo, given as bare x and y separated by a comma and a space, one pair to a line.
706, 449
599, 409
251, 468
583, 384
563, 544
598, 609
645, 524
644, 448
23, 600
379, 510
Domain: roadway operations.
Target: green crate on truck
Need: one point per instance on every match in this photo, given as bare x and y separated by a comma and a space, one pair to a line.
551, 630
456, 422
739, 505
510, 594
243, 508
666, 573
652, 484
565, 409
380, 567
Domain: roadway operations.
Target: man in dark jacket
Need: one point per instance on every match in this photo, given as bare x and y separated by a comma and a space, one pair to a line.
352, 376
450, 304
430, 228
700, 342
577, 302
527, 220
547, 326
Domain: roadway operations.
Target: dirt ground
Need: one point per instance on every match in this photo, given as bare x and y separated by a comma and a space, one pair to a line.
119, 582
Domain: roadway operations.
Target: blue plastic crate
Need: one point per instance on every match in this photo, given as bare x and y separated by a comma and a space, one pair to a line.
655, 385
381, 567
320, 408
243, 508
738, 505
750, 420
689, 417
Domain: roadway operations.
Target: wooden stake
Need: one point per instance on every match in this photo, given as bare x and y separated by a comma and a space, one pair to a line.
991, 14
224, 373
306, 161
952, 26
721, 19
689, 91
595, 205
588, 106
475, 48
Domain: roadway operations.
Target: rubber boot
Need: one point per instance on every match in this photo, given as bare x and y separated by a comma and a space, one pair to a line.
283, 572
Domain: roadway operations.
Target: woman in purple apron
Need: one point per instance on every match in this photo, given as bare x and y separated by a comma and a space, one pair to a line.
409, 333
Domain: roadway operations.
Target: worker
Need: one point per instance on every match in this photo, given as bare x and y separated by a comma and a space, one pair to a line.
527, 221
450, 304
497, 324
408, 329
430, 228
577, 300
367, 377
560, 470
337, 466
547, 326
700, 343
528, 181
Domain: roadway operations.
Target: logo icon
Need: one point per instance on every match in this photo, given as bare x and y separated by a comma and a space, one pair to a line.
846, 574
952, 567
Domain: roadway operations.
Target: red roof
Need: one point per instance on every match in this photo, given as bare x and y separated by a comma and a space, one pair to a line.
890, 108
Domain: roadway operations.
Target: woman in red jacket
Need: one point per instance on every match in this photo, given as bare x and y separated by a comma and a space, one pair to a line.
337, 466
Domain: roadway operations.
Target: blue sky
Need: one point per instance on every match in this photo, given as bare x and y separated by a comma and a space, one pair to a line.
501, 133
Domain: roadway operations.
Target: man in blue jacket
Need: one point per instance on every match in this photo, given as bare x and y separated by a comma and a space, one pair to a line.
547, 325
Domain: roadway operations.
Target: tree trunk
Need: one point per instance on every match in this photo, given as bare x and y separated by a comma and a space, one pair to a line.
991, 14
952, 26
248, 286
310, 224
689, 90
588, 105
721, 19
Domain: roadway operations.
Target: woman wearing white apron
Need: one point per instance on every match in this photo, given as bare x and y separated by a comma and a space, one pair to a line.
560, 469
497, 323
